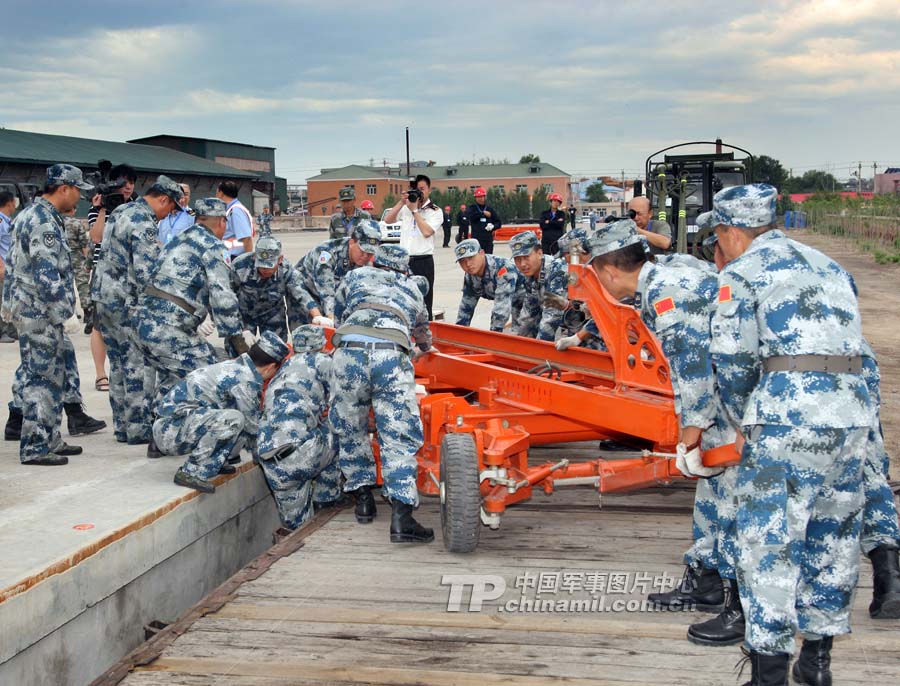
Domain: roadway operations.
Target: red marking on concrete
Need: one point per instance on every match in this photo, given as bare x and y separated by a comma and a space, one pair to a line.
83, 527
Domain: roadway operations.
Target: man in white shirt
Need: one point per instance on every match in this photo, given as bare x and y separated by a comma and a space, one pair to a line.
419, 219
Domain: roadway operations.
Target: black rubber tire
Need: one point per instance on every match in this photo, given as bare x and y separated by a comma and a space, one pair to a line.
461, 504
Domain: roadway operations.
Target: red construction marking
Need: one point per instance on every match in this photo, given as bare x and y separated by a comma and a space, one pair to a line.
83, 527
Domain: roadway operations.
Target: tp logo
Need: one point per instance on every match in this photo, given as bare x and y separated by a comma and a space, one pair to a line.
480, 592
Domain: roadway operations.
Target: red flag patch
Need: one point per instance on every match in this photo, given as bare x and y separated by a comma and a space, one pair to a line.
501, 272
724, 294
664, 305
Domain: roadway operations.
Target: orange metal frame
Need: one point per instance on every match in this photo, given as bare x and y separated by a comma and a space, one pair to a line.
511, 393
488, 384
506, 233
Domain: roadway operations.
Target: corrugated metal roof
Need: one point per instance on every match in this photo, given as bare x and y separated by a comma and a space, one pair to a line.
45, 148
439, 173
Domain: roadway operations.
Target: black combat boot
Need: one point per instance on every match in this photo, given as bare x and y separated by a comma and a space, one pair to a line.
66, 449
700, 589
365, 505
50, 460
405, 529
153, 452
88, 320
885, 583
182, 478
13, 431
768, 670
813, 667
727, 627
79, 422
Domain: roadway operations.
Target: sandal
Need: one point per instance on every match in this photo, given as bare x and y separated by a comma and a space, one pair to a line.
102, 384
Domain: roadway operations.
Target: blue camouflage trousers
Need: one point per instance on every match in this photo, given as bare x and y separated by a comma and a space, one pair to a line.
385, 381
171, 344
799, 513
715, 508
309, 474
275, 322
879, 526
71, 381
130, 379
42, 349
209, 435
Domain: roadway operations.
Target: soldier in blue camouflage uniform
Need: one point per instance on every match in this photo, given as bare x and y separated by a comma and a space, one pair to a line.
38, 300
344, 222
263, 281
545, 288
577, 328
264, 223
128, 256
489, 277
676, 304
788, 347
377, 309
327, 264
214, 412
190, 281
297, 451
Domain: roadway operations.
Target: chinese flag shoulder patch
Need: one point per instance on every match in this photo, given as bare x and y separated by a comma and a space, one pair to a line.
664, 305
724, 294
501, 272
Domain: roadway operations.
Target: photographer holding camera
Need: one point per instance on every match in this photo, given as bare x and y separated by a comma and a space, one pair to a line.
419, 219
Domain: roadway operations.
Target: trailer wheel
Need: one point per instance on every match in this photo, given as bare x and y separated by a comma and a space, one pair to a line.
460, 493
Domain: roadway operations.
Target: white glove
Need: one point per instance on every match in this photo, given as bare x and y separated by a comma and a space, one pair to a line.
6, 315
690, 463
206, 328
567, 342
322, 320
488, 227
249, 338
72, 324
420, 390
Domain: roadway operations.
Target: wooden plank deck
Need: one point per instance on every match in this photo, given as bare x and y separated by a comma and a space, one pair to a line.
349, 607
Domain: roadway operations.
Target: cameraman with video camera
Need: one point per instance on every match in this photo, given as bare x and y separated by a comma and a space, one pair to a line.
419, 219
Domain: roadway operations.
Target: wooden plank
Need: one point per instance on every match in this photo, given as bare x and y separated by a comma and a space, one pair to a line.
359, 674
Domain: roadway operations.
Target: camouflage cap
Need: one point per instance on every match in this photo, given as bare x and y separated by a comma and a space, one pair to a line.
268, 250
468, 248
421, 283
210, 207
347, 193
308, 338
272, 345
574, 237
67, 175
746, 207
613, 237
704, 221
392, 257
368, 234
524, 243
165, 185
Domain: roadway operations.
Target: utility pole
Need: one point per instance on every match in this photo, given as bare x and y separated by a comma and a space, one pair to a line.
859, 179
874, 174
622, 212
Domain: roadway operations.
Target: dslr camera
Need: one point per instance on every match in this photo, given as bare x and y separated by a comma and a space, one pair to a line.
414, 194
107, 188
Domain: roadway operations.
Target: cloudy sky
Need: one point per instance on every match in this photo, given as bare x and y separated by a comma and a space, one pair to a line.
592, 87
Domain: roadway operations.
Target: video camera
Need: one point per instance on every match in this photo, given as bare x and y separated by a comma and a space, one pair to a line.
631, 214
106, 187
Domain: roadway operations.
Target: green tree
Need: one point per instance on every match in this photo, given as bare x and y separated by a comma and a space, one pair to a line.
594, 193
769, 170
530, 157
389, 201
539, 201
813, 181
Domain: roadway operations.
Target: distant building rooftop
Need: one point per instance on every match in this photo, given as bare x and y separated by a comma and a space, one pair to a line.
45, 148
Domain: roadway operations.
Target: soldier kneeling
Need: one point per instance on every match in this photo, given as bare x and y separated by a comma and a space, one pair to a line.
296, 447
214, 411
